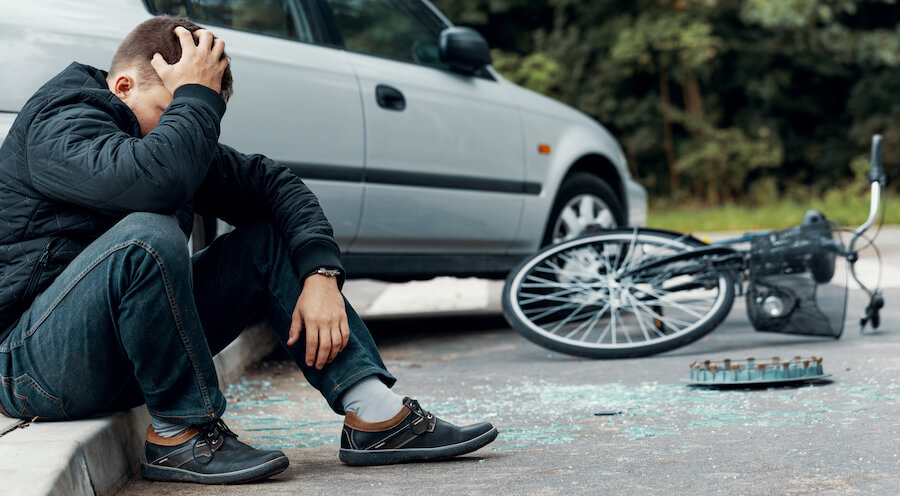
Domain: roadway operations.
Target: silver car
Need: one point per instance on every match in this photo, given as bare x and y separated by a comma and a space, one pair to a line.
426, 161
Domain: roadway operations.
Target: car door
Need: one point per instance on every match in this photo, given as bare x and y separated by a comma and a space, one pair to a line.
444, 157
295, 101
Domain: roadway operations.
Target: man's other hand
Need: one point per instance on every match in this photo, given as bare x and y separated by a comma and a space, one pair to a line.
202, 63
321, 313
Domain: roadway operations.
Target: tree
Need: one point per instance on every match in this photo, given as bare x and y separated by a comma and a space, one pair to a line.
721, 93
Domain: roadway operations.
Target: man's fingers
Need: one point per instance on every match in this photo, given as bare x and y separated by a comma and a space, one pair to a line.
324, 348
296, 327
218, 48
336, 343
345, 333
205, 40
158, 63
198, 63
322, 307
340, 337
185, 37
312, 345
223, 64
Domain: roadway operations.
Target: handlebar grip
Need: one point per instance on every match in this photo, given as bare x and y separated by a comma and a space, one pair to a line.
876, 173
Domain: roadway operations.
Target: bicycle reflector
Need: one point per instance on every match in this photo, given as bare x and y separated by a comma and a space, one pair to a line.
796, 285
773, 306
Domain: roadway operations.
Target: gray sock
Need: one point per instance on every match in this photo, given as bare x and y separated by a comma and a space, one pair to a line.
371, 400
167, 429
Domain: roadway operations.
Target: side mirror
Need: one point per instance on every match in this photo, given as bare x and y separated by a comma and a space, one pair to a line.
464, 50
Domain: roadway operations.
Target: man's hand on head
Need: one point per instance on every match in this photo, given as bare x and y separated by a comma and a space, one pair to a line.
320, 312
201, 63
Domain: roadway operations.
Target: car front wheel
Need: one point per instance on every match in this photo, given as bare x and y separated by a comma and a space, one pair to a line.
585, 204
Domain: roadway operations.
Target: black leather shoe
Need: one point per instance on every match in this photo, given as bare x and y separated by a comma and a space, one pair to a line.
412, 435
207, 454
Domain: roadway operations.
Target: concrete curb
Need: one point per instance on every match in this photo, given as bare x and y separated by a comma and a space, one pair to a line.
95, 457
84, 457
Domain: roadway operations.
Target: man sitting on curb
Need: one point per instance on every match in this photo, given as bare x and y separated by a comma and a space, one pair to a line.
101, 306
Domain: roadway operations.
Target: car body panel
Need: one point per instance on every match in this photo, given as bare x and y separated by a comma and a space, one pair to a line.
637, 205
41, 38
454, 131
6, 122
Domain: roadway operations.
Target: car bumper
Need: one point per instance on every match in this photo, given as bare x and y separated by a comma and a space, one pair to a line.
637, 203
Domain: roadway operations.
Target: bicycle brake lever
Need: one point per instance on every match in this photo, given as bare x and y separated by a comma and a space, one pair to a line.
872, 313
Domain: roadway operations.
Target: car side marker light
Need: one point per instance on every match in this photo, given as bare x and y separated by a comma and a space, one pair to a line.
544, 149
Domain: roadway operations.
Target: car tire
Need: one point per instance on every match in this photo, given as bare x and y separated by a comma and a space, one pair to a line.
578, 191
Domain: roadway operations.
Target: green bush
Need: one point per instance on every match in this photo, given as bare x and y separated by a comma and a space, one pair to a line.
746, 102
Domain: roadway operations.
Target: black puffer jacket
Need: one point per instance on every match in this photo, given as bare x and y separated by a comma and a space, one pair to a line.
74, 163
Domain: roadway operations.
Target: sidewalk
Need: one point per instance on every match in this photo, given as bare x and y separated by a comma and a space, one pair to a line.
96, 456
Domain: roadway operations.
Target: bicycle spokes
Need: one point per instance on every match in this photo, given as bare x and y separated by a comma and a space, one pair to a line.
590, 294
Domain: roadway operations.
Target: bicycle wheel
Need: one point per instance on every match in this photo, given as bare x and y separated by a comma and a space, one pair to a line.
585, 296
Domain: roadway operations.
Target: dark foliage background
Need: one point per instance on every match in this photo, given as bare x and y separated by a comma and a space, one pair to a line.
743, 101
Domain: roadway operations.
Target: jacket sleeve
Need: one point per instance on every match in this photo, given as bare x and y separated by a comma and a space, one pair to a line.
245, 188
77, 153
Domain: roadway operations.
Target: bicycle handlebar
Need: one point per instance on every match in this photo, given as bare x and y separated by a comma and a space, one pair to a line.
876, 173
877, 178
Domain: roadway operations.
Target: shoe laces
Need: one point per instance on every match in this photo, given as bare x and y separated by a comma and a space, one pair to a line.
415, 407
217, 426
429, 418
212, 436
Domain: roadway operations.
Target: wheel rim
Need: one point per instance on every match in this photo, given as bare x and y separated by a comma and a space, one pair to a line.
584, 213
576, 294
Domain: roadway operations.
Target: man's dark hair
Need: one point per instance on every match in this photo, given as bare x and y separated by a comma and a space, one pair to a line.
157, 35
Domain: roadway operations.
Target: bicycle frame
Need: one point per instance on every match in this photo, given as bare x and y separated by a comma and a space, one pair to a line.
723, 255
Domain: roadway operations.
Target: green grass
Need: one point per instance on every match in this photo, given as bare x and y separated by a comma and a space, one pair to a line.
844, 209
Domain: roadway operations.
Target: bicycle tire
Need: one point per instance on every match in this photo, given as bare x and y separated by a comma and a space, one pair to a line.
615, 312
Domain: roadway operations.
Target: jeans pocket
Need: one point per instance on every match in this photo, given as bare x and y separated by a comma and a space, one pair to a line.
34, 401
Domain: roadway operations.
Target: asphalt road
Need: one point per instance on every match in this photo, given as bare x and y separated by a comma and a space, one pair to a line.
837, 437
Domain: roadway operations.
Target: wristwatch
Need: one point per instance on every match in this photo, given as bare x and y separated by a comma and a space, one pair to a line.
325, 271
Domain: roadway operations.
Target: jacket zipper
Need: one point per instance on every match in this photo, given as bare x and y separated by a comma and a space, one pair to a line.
39, 270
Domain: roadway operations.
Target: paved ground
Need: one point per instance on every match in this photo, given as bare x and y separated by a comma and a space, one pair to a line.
838, 437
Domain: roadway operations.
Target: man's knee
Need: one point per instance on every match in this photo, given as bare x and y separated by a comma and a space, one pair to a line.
159, 233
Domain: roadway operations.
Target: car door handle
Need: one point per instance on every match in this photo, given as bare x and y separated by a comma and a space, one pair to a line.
389, 98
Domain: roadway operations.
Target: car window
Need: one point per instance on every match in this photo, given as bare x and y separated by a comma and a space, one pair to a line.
399, 29
282, 18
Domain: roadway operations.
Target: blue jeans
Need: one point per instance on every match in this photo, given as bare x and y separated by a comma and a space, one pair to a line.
134, 318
